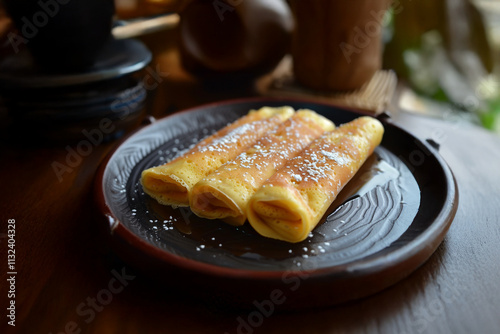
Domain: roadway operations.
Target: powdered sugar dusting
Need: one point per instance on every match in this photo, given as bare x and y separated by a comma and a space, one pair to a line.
339, 158
316, 162
228, 141
270, 152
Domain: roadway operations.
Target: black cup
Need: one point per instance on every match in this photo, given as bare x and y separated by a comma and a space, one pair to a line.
62, 35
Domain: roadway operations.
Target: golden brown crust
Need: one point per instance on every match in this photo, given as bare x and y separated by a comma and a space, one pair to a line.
171, 183
236, 181
291, 203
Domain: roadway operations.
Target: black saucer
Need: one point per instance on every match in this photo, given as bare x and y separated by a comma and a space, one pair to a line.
61, 105
118, 58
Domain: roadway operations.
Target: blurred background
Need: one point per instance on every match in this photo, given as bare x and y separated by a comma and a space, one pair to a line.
445, 53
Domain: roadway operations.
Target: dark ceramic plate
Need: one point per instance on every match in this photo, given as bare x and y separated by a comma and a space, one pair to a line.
118, 58
387, 221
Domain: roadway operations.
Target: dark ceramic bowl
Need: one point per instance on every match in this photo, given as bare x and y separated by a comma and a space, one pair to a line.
61, 106
62, 35
387, 222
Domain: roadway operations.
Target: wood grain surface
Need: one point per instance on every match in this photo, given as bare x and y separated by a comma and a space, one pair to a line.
70, 281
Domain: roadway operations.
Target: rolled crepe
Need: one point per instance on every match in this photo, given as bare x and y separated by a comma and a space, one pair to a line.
171, 183
291, 203
224, 194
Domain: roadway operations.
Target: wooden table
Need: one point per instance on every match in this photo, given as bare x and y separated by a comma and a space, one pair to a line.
69, 281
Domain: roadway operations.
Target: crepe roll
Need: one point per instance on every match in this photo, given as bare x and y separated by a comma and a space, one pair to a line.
292, 202
224, 194
171, 183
